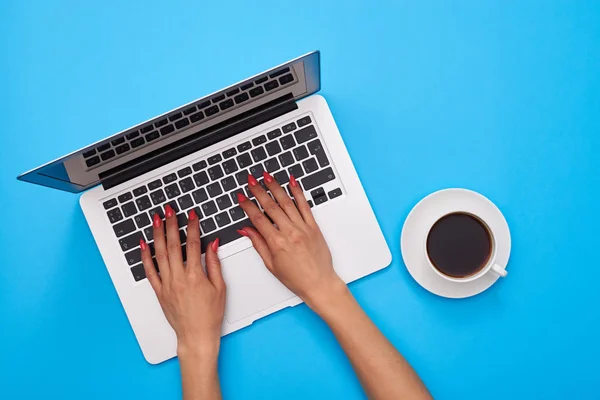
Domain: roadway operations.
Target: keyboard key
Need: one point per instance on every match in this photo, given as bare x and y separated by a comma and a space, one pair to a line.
170, 178
320, 200
211, 111
214, 189
286, 79
138, 272
273, 148
287, 142
271, 85
131, 241
109, 203
249, 193
281, 177
123, 228
199, 165
233, 195
226, 104
286, 159
272, 165
247, 86
172, 190
89, 153
133, 257
160, 123
236, 213
146, 128
305, 134
197, 117
335, 193
300, 153
158, 197
242, 177
132, 135
155, 184
259, 140
223, 202
215, 172
104, 147
125, 197
107, 155
92, 161
317, 150
137, 142
244, 146
244, 160
229, 153
142, 220
182, 123
167, 129
296, 170
228, 183
209, 208
214, 159
303, 121
318, 178
173, 205
280, 72
310, 203
149, 233
310, 165
200, 196
232, 92
240, 98
229, 167
129, 209
117, 141
140, 191
157, 210
317, 193
186, 185
257, 91
222, 219
257, 171
219, 98
198, 212
208, 225
182, 220
258, 154
114, 215
185, 202
189, 110
175, 116
184, 172
288, 128
143, 203
152, 136
204, 104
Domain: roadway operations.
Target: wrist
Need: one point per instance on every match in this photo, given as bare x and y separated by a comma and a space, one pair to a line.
205, 353
330, 298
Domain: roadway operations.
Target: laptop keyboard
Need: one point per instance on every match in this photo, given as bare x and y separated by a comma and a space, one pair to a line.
210, 186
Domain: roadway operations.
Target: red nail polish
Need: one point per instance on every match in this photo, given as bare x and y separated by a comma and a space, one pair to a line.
252, 181
192, 215
293, 181
268, 177
157, 220
215, 245
143, 245
241, 198
168, 211
242, 232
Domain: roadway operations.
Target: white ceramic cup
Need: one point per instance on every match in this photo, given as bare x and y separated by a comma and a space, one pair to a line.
490, 267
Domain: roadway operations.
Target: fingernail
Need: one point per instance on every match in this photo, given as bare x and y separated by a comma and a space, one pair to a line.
143, 245
215, 245
268, 177
241, 198
242, 232
168, 211
157, 220
252, 181
293, 181
192, 215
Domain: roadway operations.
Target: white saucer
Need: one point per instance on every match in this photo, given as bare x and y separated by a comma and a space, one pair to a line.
429, 210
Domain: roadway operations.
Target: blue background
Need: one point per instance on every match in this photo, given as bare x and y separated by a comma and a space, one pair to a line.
502, 97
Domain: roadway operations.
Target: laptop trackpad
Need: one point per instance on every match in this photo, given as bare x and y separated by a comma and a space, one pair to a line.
250, 286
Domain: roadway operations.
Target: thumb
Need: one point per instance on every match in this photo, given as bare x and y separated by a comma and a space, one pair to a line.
259, 243
213, 265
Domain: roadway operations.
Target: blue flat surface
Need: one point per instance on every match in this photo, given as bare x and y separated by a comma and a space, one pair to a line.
499, 97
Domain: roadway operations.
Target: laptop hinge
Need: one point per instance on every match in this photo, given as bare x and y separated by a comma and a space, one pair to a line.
197, 141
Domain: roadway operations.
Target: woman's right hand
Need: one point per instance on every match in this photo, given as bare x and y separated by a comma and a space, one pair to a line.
294, 250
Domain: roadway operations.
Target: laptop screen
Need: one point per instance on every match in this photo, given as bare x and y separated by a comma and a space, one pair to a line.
102, 160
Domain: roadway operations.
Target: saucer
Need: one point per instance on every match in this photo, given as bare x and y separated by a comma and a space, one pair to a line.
429, 210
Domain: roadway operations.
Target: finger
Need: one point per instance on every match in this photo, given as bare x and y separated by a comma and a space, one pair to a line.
160, 247
193, 243
268, 204
286, 204
259, 243
213, 266
151, 273
258, 219
301, 202
173, 241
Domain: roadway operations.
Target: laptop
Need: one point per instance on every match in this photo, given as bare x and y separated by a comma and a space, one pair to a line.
198, 156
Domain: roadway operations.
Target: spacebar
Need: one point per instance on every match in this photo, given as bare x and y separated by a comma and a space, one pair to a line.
226, 235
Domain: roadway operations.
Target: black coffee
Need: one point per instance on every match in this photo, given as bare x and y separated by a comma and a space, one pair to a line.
459, 245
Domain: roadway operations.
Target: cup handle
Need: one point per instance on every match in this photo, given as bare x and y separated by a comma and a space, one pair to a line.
498, 270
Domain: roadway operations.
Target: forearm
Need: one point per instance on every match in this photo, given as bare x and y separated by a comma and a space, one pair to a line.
383, 372
199, 373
